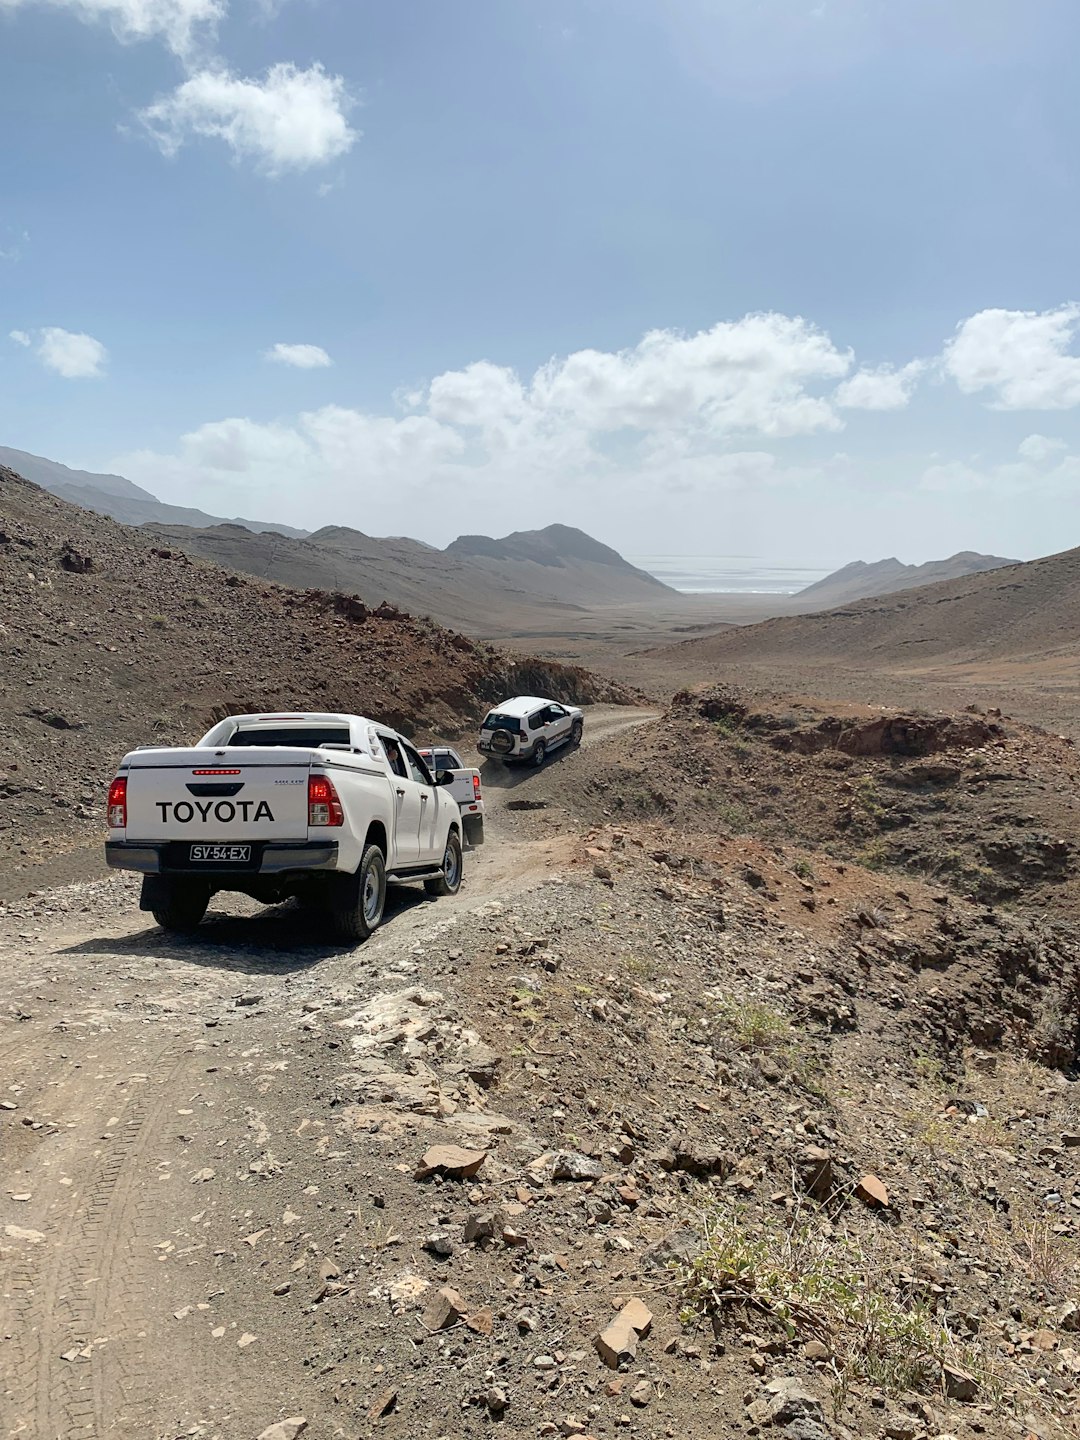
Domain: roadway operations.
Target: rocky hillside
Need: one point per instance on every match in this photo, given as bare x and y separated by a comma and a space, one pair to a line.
859, 580
114, 495
110, 639
489, 588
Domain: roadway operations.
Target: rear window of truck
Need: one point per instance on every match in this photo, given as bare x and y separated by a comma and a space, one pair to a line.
501, 722
300, 737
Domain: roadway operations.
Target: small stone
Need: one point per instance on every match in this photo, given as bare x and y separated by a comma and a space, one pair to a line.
544, 1362
440, 1245
383, 1403
815, 1172
482, 1322
641, 1394
636, 1313
786, 1399
815, 1350
245, 1340
283, 1288
572, 1165
871, 1191
617, 1345
758, 1363
285, 1429
959, 1385
481, 1226
450, 1160
445, 1308
496, 1400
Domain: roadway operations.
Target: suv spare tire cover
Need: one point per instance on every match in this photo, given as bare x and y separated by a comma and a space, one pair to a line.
502, 742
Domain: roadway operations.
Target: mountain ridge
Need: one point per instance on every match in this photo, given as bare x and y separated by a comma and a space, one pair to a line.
862, 579
117, 497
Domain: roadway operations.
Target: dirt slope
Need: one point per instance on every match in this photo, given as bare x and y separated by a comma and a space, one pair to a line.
1021, 613
108, 640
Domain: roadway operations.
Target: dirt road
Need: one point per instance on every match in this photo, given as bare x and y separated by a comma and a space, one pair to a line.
199, 1137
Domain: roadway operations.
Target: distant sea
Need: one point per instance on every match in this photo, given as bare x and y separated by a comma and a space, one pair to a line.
727, 574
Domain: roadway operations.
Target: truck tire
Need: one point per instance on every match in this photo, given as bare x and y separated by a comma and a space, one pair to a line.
538, 754
357, 901
176, 903
449, 882
575, 733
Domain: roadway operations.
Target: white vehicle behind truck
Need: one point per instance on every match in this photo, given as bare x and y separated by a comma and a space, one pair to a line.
466, 788
324, 807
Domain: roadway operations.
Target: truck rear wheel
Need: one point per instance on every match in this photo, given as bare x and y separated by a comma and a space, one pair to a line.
176, 903
357, 901
449, 882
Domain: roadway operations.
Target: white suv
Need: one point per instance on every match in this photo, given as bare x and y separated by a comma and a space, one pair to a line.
528, 728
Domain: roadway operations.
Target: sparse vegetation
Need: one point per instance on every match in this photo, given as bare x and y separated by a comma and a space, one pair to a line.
874, 856
835, 1286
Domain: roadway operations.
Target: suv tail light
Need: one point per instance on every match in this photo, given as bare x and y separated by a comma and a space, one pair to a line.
523, 735
476, 787
118, 803
323, 805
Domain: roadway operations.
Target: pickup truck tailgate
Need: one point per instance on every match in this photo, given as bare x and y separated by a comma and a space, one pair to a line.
250, 793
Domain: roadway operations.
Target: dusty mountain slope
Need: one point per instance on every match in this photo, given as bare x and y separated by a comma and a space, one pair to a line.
552, 576
108, 640
859, 580
1015, 613
113, 495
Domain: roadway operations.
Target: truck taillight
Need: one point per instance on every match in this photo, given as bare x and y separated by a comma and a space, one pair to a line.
476, 787
118, 803
323, 805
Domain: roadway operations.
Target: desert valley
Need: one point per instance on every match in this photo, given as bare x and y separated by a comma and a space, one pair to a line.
755, 1021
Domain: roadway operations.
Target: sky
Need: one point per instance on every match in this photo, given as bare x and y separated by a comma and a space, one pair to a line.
787, 278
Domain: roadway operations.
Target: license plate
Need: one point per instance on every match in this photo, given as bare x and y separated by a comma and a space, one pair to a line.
227, 854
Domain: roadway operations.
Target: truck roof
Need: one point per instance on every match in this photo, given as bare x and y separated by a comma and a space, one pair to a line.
519, 705
318, 717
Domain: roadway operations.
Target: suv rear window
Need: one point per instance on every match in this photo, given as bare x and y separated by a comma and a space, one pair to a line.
501, 722
303, 737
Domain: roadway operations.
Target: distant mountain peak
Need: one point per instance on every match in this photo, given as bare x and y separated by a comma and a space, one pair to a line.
555, 546
860, 580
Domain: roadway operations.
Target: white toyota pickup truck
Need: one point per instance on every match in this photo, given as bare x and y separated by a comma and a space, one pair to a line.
326, 808
466, 788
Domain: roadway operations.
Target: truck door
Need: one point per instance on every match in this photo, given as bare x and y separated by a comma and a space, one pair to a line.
408, 811
557, 725
429, 804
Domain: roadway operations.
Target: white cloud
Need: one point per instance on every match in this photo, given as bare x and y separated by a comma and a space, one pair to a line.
303, 357
664, 418
1020, 356
180, 23
885, 388
74, 356
1040, 447
289, 119
19, 336
1045, 470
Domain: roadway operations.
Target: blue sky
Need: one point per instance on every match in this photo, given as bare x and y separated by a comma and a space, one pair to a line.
470, 216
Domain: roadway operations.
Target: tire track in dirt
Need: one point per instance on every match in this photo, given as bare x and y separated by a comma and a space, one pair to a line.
79, 1313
